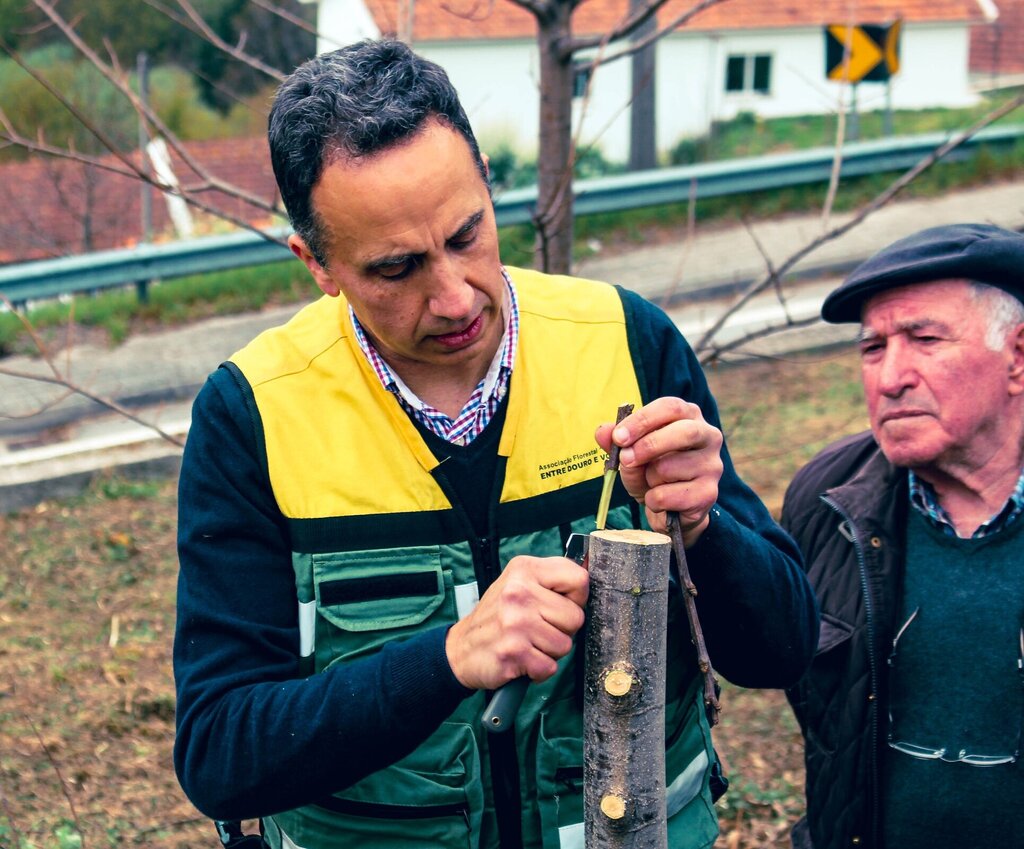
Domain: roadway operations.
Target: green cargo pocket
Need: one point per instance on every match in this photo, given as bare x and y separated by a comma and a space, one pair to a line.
365, 599
433, 797
560, 788
689, 755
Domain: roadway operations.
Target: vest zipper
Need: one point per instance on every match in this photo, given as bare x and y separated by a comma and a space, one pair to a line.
502, 754
854, 538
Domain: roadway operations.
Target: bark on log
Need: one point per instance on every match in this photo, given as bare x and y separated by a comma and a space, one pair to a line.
624, 691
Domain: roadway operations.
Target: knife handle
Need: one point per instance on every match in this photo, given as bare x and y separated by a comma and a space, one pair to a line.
501, 711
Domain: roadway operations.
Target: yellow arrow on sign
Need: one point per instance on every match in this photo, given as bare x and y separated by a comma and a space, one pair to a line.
864, 54
892, 47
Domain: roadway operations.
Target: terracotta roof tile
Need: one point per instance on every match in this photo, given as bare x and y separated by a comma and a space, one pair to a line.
442, 20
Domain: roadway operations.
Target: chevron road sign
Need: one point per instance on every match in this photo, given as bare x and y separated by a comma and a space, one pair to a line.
874, 52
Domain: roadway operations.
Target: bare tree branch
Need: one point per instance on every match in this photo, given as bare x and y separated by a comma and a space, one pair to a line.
187, 192
713, 351
772, 273
473, 13
197, 24
837, 160
58, 378
78, 115
872, 206
109, 403
635, 21
538, 8
144, 110
60, 778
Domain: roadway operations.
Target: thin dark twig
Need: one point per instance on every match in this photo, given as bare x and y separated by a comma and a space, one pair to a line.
632, 24
60, 780
710, 353
202, 28
711, 703
772, 273
109, 403
145, 111
864, 212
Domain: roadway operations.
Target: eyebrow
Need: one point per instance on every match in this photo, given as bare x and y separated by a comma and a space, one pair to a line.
394, 260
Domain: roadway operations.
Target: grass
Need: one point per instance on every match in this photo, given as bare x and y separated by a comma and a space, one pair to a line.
174, 302
748, 135
87, 612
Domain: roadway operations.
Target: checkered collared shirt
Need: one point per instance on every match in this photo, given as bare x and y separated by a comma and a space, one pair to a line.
924, 500
482, 404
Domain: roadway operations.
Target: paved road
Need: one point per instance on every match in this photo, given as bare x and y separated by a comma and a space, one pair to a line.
50, 440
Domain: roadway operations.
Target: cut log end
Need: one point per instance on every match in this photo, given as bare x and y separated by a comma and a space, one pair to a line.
634, 537
613, 806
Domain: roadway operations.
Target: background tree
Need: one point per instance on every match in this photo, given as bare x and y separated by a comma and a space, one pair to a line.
559, 50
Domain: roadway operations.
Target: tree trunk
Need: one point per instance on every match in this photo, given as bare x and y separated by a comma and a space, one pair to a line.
643, 151
624, 691
555, 155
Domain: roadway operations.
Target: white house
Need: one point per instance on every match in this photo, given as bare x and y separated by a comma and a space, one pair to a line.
761, 56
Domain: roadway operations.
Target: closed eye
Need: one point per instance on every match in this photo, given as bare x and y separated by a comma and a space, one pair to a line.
397, 268
467, 233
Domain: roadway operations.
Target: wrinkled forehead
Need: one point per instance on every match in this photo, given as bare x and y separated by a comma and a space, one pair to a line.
931, 301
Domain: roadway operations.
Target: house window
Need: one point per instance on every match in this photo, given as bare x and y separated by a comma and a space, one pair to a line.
581, 77
749, 73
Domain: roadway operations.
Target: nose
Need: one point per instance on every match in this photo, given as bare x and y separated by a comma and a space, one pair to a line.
451, 296
895, 371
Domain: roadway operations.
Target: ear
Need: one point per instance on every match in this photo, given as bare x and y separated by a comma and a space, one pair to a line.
487, 163
324, 280
1015, 346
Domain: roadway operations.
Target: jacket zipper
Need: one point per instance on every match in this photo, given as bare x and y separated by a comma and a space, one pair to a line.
872, 663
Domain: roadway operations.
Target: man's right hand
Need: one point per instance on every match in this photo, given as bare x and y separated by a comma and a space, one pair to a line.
522, 625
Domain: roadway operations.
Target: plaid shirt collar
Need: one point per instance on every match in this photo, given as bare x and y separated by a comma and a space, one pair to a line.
924, 500
482, 404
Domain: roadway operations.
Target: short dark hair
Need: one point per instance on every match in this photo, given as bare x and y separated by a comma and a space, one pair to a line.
353, 102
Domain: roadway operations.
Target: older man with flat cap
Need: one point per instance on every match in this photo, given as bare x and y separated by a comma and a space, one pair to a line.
914, 541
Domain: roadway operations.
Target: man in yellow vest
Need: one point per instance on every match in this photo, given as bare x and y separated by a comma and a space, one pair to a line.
374, 498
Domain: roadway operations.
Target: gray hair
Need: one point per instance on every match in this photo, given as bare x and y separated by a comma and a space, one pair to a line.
353, 102
1002, 311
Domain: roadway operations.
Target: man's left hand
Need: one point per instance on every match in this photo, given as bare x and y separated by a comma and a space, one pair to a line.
670, 459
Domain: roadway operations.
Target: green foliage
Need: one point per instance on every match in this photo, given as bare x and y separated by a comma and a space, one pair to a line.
34, 110
120, 487
173, 94
67, 836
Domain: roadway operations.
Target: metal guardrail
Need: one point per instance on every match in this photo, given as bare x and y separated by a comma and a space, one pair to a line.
106, 269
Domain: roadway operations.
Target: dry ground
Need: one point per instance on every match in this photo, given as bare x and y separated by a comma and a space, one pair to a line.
86, 620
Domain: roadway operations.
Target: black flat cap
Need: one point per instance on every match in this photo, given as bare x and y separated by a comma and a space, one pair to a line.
978, 252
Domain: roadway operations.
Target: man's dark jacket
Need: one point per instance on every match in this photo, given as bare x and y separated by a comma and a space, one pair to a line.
847, 510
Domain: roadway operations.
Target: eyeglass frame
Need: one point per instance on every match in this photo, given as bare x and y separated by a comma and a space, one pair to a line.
931, 753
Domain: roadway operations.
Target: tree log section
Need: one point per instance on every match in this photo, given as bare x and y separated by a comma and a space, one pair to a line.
624, 691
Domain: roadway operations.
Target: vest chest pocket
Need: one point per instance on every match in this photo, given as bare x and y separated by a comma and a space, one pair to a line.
364, 599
